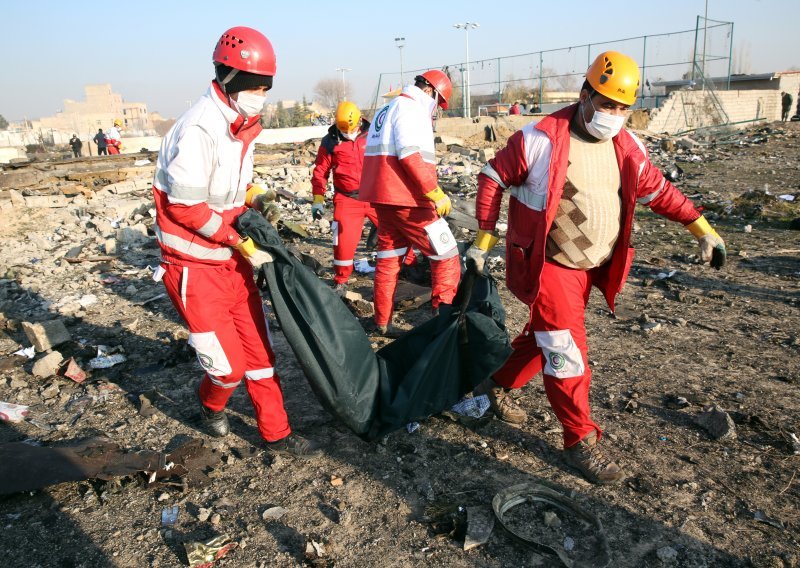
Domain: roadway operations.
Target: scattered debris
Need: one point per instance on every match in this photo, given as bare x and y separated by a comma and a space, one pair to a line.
13, 412
169, 515
480, 523
205, 554
72, 370
46, 335
273, 513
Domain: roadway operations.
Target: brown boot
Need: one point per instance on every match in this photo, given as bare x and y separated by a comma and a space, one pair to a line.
586, 457
503, 406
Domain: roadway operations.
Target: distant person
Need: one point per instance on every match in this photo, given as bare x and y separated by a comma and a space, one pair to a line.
114, 138
76, 145
342, 152
100, 140
786, 105
514, 108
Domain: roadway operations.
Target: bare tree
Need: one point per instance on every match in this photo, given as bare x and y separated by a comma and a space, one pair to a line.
330, 91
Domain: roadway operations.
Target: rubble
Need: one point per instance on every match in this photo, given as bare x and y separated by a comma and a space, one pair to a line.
46, 335
48, 365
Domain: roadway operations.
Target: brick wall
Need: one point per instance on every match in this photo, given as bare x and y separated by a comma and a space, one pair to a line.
686, 110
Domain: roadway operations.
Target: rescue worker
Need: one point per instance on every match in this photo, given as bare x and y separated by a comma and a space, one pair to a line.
201, 185
76, 145
514, 109
342, 152
400, 181
114, 138
575, 179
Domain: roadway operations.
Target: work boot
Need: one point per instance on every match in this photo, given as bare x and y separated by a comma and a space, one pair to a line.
340, 289
294, 445
503, 406
586, 457
214, 423
388, 331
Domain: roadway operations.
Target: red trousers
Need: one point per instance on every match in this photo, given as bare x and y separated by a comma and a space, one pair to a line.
347, 226
554, 341
227, 329
400, 229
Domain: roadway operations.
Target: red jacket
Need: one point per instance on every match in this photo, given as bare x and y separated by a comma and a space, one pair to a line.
204, 167
534, 165
400, 158
346, 159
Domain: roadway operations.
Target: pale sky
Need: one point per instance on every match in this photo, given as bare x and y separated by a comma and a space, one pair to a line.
159, 53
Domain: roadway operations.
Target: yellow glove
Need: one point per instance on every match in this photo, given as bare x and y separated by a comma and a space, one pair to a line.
318, 207
712, 247
479, 251
255, 256
440, 201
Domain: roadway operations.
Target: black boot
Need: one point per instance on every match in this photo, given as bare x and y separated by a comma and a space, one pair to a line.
294, 445
214, 423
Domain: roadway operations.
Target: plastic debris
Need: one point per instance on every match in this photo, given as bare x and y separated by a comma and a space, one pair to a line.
72, 370
473, 407
142, 162
29, 352
362, 266
762, 517
786, 197
169, 516
205, 554
10, 412
569, 544
106, 357
666, 275
795, 443
412, 427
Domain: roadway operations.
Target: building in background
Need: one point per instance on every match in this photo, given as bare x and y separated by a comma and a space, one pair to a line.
99, 109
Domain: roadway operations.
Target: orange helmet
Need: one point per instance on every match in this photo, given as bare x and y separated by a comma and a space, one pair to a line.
348, 117
441, 82
614, 75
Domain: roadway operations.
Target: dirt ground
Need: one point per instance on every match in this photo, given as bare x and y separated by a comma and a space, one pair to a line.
675, 345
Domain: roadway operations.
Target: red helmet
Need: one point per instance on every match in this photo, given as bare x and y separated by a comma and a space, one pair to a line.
441, 82
246, 49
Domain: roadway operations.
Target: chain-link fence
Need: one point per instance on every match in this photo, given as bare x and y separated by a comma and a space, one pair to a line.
543, 81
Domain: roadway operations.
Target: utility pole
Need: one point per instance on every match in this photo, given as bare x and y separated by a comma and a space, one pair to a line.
466, 26
705, 33
343, 70
401, 43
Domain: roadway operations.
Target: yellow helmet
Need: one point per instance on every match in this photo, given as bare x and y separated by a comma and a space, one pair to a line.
348, 117
614, 75
117, 123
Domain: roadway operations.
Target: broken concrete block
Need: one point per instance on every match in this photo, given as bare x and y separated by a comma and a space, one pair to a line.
48, 365
121, 187
7, 345
143, 183
717, 422
134, 234
486, 154
449, 140
110, 246
47, 334
45, 201
686, 143
17, 200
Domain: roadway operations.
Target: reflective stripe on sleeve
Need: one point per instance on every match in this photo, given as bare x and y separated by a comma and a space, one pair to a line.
492, 174
258, 374
191, 248
211, 226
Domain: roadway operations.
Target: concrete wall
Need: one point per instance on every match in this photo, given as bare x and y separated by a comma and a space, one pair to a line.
466, 127
686, 110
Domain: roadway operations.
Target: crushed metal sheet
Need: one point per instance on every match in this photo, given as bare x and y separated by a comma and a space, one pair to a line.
205, 554
517, 494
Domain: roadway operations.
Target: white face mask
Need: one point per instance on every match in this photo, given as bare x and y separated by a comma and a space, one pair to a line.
350, 135
250, 104
603, 126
